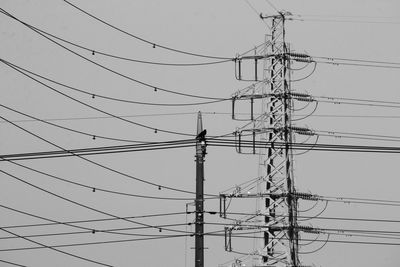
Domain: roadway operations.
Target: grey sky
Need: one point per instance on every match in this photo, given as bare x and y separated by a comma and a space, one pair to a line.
221, 28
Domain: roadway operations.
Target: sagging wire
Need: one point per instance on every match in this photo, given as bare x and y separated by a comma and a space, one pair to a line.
311, 73
310, 114
251, 181
318, 249
317, 215
311, 147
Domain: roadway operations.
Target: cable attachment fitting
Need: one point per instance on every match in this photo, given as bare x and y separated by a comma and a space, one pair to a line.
300, 57
302, 97
306, 196
301, 130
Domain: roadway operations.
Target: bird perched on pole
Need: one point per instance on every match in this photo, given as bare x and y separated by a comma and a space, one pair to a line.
202, 135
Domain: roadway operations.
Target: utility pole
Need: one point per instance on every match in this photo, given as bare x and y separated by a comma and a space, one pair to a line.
199, 203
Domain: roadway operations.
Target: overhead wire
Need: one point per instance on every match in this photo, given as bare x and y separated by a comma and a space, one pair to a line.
93, 136
258, 14
99, 150
91, 106
95, 188
271, 5
344, 21
42, 245
358, 60
88, 207
110, 98
13, 263
105, 67
299, 146
316, 250
159, 186
142, 39
109, 241
77, 223
98, 109
95, 51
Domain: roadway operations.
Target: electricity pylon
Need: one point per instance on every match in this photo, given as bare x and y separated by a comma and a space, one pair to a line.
275, 162
274, 134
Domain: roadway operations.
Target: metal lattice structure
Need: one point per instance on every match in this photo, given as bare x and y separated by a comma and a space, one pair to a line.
271, 136
275, 162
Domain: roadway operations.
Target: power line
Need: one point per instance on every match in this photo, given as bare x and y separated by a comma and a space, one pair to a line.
159, 186
329, 241
105, 67
90, 106
344, 21
13, 263
271, 5
86, 206
110, 98
42, 245
255, 11
95, 51
94, 188
150, 146
389, 66
153, 44
358, 60
192, 113
93, 136
300, 146
99, 150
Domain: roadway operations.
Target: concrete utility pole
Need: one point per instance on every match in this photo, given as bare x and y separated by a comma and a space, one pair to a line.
199, 203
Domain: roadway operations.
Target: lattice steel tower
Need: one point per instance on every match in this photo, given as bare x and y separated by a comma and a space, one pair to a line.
271, 134
275, 163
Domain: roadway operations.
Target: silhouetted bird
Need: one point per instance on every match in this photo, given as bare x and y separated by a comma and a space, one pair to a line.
201, 135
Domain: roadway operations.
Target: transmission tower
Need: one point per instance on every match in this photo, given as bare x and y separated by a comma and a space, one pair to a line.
270, 135
275, 162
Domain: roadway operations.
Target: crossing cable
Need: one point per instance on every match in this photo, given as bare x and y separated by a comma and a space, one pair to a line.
13, 263
300, 146
337, 134
107, 68
107, 231
358, 60
333, 98
303, 116
112, 241
330, 241
42, 245
271, 5
97, 52
73, 223
93, 136
189, 143
159, 186
100, 110
389, 66
258, 14
89, 207
142, 39
99, 189
344, 21
312, 217
110, 98
90, 106
99, 150
76, 223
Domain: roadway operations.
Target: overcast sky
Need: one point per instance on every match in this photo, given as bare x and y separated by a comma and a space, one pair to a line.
357, 29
